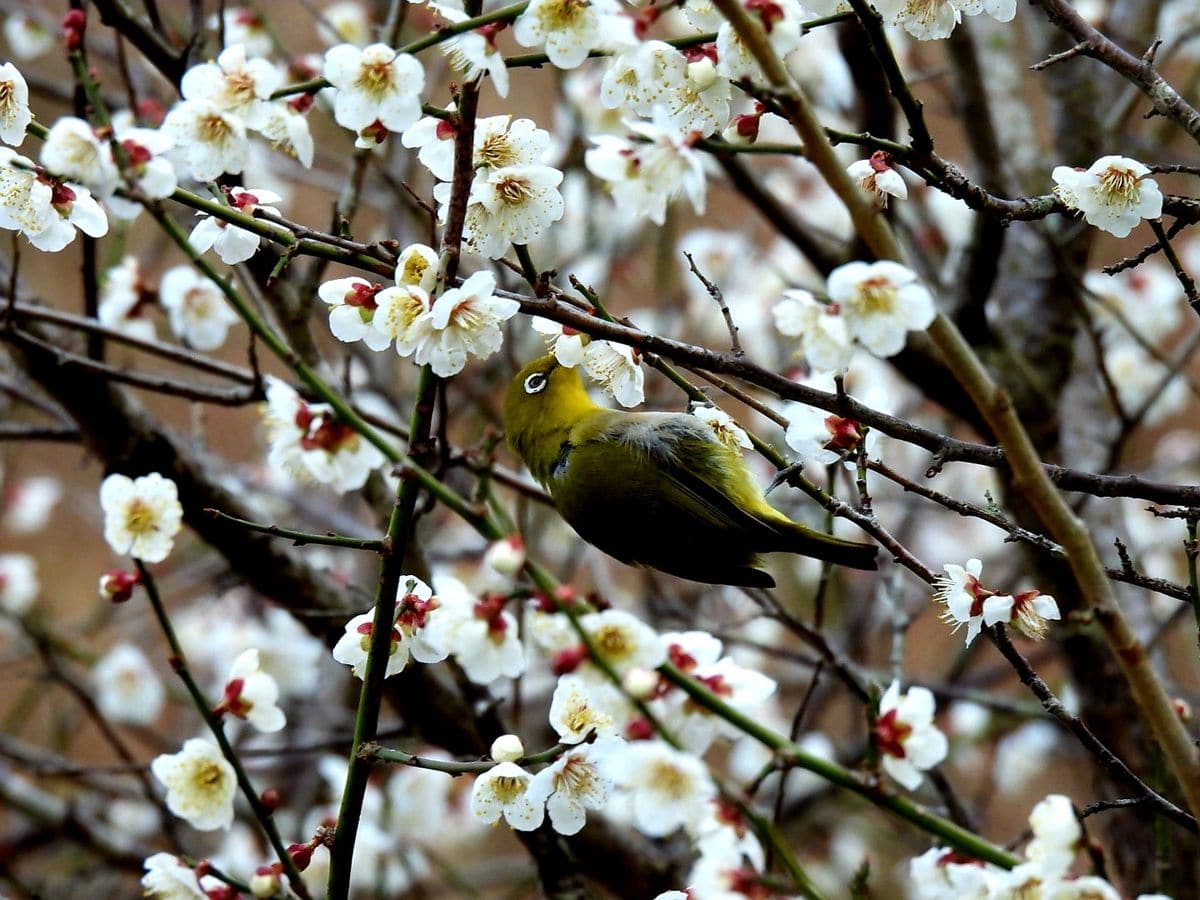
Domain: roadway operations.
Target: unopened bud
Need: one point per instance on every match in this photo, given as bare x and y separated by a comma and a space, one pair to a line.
265, 882
507, 748
639, 729
117, 585
566, 661
701, 74
507, 555
301, 854
270, 799
1182, 708
640, 684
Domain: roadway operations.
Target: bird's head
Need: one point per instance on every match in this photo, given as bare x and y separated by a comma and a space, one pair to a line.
544, 399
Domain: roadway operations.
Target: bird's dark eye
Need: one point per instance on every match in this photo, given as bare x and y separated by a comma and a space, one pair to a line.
536, 383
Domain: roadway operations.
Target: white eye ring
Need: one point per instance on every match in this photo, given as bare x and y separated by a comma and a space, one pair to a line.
536, 383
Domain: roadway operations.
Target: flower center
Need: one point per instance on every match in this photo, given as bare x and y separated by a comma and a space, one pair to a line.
562, 15
497, 151
891, 733
1120, 183
876, 296
139, 517
375, 77
214, 129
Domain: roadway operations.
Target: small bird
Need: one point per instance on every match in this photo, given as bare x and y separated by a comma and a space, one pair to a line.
655, 489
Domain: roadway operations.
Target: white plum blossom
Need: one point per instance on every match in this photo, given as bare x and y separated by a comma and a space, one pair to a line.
18, 583
402, 316
510, 205
503, 790
27, 37
196, 308
584, 706
169, 878
723, 425
286, 128
820, 437
308, 441
646, 175
200, 784
1029, 612
480, 633
147, 169
464, 321
908, 741
233, 243
45, 209
474, 53
564, 342
1114, 194
880, 303
618, 369
575, 783
353, 303
415, 605
73, 151
942, 874
686, 87
667, 788
252, 694
569, 29
694, 726
499, 142
122, 300
141, 515
623, 640
824, 341
960, 590
234, 84
14, 105
376, 87
926, 20
127, 687
876, 176
209, 141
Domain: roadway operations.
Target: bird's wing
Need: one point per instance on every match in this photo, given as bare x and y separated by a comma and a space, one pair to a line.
695, 471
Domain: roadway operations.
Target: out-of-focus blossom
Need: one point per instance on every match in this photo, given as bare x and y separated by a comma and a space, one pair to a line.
127, 687
27, 37
18, 583
908, 741
244, 26
30, 503
666, 788
123, 297
196, 308
881, 302
200, 784
168, 878
72, 150
345, 23
309, 441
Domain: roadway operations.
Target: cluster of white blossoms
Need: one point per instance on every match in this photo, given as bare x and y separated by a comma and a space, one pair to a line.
969, 603
944, 874
873, 305
478, 632
441, 332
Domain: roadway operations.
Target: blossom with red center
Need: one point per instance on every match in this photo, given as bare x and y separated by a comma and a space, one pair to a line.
410, 635
907, 740
959, 588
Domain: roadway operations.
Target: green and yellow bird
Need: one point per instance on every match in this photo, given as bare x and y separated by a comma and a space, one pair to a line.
654, 489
